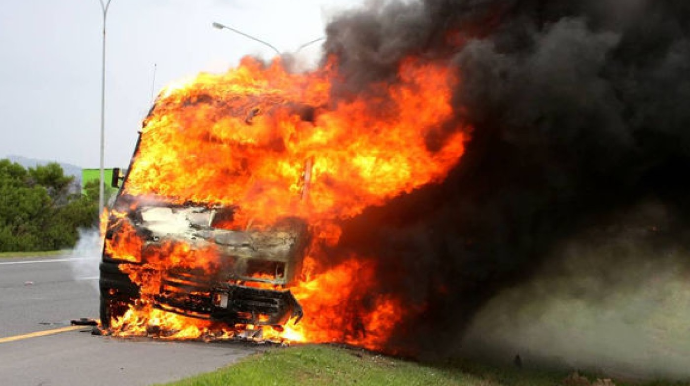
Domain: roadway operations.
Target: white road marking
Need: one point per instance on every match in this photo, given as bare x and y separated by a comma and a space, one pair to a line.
43, 261
88, 278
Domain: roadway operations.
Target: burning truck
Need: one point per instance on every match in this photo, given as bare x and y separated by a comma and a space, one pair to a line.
248, 265
227, 219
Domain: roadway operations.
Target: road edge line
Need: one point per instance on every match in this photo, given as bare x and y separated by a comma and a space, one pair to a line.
40, 333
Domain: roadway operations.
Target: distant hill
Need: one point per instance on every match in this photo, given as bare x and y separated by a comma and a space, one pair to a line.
69, 169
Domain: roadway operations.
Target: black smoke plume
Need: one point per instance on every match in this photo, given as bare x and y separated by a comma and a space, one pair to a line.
579, 111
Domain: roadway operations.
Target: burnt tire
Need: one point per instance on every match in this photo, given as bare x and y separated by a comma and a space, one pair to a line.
117, 293
113, 308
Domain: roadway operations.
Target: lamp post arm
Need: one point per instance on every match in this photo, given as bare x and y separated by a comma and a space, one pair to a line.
222, 26
310, 43
105, 6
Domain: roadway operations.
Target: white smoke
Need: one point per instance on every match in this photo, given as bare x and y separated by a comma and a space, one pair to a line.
618, 302
86, 256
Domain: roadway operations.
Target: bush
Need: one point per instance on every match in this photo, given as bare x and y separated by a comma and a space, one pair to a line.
37, 210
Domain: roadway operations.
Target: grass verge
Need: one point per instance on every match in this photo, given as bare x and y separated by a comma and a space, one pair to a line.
10, 255
334, 365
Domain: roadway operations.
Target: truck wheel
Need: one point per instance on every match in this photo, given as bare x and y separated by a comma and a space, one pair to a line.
111, 309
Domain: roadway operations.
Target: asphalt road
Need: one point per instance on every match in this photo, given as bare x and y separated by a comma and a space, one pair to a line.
40, 296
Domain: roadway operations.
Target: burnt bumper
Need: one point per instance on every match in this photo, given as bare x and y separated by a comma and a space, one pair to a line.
232, 304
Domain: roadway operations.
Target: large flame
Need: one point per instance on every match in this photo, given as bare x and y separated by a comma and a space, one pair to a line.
246, 138
340, 308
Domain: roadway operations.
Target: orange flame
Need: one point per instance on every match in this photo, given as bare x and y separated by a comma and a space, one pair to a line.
199, 146
249, 137
103, 223
333, 302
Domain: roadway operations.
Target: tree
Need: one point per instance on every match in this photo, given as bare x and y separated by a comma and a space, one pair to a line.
91, 192
22, 208
37, 210
52, 177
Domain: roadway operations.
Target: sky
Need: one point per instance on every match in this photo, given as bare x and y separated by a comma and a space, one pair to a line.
50, 64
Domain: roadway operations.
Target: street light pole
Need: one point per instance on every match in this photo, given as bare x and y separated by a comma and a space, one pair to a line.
101, 184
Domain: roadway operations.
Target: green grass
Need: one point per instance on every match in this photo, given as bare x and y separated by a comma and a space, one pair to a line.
9, 255
333, 365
